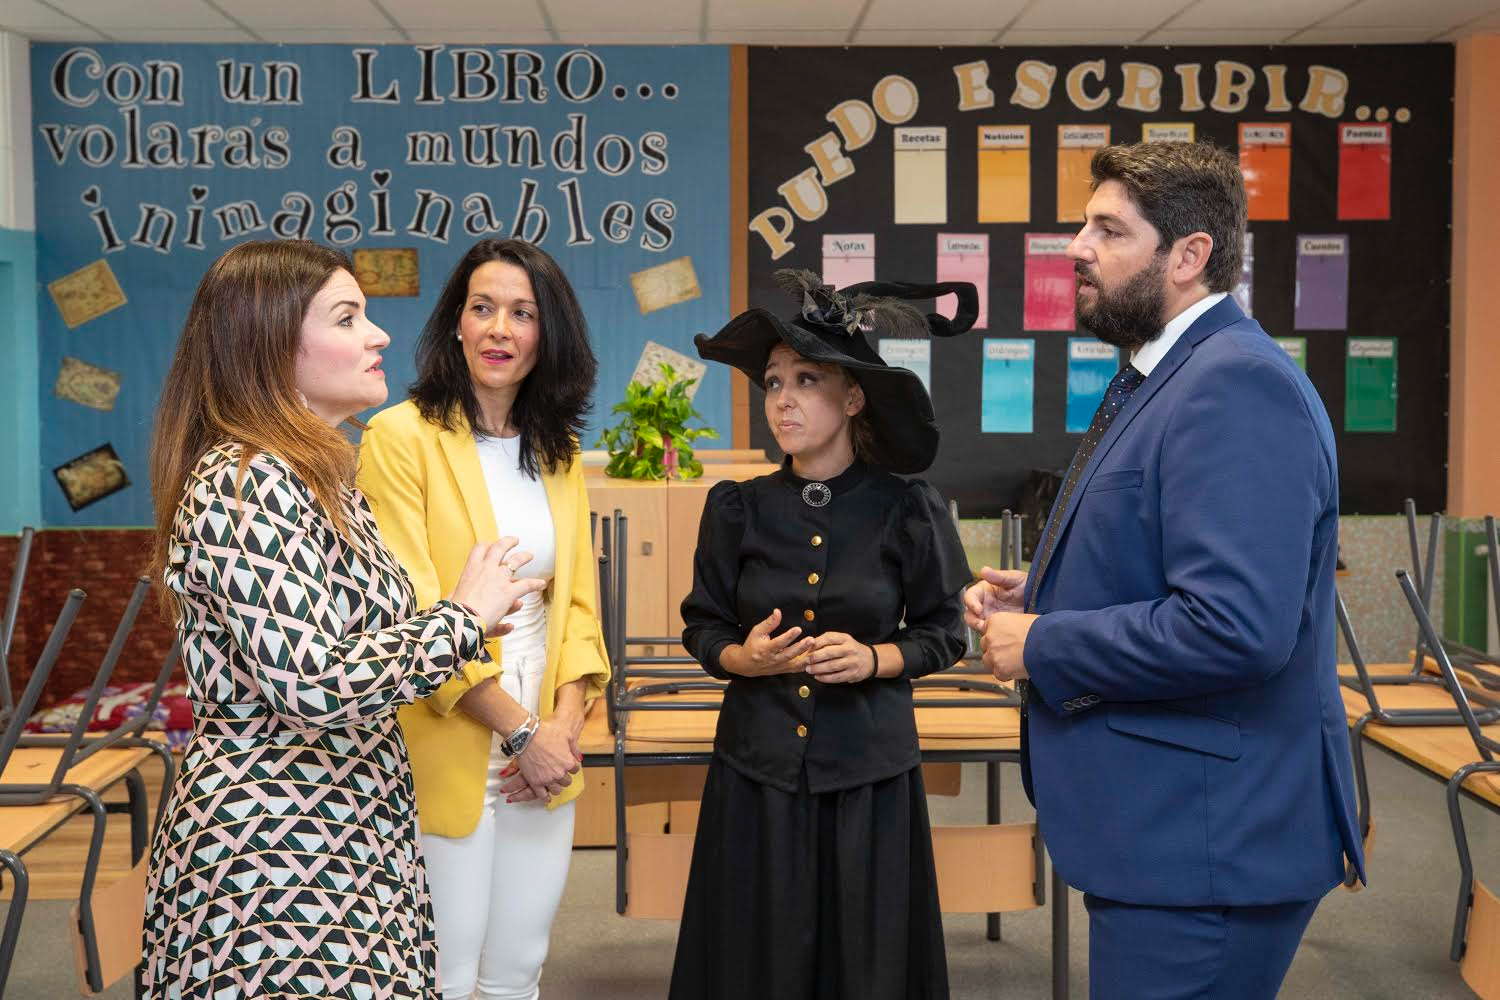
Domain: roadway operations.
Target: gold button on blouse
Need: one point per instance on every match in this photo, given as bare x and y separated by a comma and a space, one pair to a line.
801, 730
809, 614
813, 578
804, 691
817, 540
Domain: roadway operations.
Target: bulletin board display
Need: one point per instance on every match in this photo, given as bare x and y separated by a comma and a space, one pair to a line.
973, 165
152, 160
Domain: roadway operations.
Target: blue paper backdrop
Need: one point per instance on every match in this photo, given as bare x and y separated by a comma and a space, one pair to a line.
94, 113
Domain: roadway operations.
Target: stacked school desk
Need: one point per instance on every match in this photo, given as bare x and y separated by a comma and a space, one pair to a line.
46, 780
1439, 714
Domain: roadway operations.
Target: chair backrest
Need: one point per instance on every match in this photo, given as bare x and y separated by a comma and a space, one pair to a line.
71, 756
1492, 542
39, 674
1366, 686
12, 613
1424, 570
602, 531
1486, 746
119, 911
1010, 540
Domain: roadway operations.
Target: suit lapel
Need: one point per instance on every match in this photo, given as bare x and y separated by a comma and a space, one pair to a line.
462, 456
1220, 316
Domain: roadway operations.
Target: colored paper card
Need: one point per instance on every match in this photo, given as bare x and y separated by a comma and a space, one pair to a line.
665, 285
965, 258
1075, 148
1266, 162
1009, 367
388, 271
91, 476
1091, 364
89, 385
848, 259
1370, 384
913, 355
87, 293
648, 369
1051, 287
1365, 171
1242, 291
921, 174
1296, 349
1168, 132
1322, 283
1005, 173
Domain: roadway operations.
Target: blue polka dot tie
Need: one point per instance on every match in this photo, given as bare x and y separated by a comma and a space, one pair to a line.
1126, 381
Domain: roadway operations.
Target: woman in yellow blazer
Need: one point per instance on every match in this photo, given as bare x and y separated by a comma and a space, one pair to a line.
487, 445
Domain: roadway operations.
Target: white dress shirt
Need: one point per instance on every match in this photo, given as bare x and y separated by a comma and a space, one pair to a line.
1150, 356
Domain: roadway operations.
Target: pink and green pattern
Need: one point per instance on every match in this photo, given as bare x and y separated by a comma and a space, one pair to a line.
288, 863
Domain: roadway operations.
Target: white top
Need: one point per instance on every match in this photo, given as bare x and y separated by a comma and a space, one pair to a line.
521, 509
1150, 356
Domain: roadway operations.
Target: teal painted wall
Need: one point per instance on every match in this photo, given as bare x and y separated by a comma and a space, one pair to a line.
20, 473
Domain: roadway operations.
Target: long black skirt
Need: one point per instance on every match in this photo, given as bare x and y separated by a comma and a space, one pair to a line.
811, 897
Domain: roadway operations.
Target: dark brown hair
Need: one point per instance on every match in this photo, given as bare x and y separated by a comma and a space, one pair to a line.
233, 379
1182, 188
551, 405
861, 425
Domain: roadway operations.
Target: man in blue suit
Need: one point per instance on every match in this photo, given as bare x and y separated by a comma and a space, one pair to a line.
1183, 738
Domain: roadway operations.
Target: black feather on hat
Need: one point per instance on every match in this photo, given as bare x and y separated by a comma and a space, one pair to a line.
831, 328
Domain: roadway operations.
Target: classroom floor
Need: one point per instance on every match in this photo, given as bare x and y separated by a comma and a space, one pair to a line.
1389, 941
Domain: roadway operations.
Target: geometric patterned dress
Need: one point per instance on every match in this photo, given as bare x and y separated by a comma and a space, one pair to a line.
287, 864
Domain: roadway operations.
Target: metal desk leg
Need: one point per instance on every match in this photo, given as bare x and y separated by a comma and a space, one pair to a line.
86, 891
1362, 786
20, 884
169, 774
1465, 861
992, 817
1059, 937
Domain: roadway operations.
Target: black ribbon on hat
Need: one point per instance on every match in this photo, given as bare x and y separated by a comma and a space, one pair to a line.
880, 306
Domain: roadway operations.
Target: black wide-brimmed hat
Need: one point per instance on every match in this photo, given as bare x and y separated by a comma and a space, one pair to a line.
831, 327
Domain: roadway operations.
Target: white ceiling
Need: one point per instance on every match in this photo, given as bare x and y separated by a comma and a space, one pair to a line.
756, 22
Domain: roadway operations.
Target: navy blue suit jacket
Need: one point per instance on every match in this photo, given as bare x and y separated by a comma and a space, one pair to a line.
1185, 742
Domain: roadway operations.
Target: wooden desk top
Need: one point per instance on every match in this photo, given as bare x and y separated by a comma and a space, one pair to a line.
23, 826
986, 727
1441, 750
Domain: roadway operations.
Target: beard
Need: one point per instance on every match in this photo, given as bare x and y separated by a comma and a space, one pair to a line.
1130, 315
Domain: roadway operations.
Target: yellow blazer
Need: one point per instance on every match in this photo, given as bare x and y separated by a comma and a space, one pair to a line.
427, 490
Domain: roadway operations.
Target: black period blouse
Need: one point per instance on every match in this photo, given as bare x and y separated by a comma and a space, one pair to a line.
879, 560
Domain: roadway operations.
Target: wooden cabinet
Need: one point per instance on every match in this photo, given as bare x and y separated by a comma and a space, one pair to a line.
662, 534
594, 821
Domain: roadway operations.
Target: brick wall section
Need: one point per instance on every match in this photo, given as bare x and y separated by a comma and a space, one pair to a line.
105, 565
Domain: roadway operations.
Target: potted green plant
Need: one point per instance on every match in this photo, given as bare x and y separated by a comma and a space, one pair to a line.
653, 440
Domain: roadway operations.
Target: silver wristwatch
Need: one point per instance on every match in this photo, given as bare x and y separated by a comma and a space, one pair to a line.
516, 743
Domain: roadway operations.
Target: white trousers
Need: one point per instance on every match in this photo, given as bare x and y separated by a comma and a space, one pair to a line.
495, 892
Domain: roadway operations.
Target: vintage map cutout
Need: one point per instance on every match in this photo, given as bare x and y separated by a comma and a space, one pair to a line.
648, 369
388, 273
91, 476
665, 285
90, 385
87, 293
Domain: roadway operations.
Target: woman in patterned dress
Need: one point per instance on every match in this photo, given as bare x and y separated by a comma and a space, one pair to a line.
287, 863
